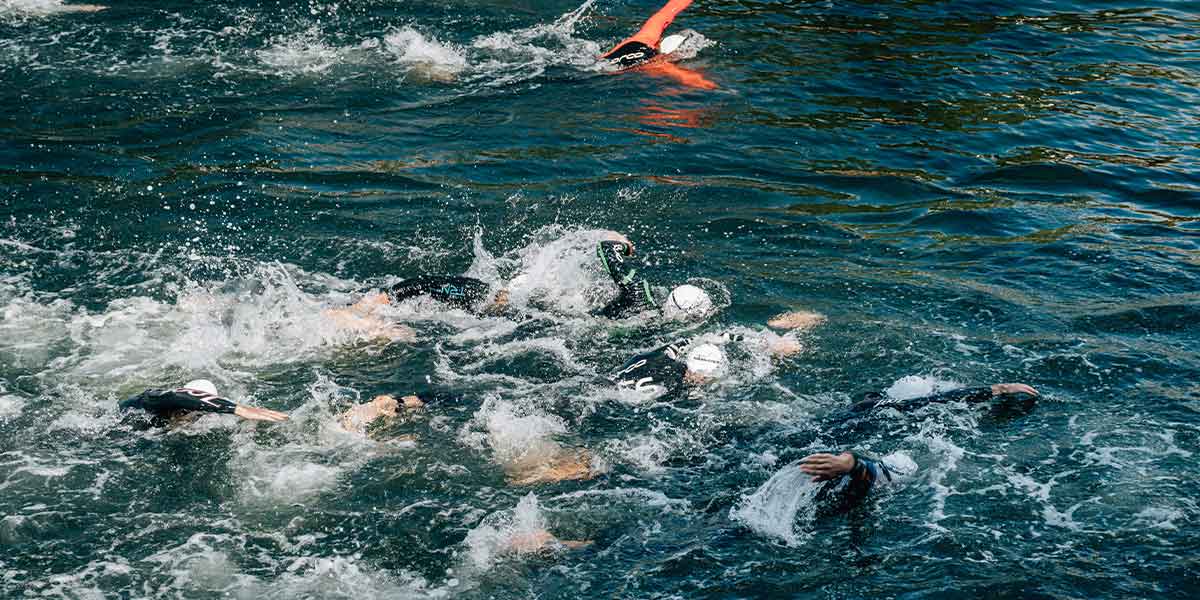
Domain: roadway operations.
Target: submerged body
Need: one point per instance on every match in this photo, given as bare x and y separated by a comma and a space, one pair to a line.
164, 407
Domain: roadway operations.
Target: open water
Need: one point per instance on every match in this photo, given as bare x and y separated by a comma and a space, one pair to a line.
971, 191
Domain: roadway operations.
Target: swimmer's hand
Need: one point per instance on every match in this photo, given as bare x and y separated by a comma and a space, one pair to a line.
259, 414
824, 467
1001, 389
801, 319
620, 238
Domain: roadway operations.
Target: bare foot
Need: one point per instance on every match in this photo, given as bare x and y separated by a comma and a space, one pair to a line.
785, 346
569, 466
797, 320
83, 8
540, 541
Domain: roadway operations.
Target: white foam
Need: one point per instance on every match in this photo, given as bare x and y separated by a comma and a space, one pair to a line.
425, 55
301, 53
495, 535
516, 434
10, 8
917, 386
336, 577
214, 332
558, 270
10, 406
523, 54
200, 563
780, 507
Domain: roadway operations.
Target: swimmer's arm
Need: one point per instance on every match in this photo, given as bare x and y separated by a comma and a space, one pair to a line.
612, 256
863, 472
654, 27
163, 401
974, 395
981, 394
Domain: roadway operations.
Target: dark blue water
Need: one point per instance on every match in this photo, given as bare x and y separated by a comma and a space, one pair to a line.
971, 192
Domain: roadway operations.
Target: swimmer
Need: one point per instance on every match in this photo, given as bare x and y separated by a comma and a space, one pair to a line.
542, 541
550, 463
670, 368
466, 293
385, 406
646, 49
171, 407
645, 45
545, 462
633, 292
849, 476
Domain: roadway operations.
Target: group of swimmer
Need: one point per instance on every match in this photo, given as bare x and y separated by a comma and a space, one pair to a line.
666, 373
669, 371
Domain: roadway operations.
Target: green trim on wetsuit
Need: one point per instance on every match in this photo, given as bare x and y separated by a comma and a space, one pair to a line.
634, 295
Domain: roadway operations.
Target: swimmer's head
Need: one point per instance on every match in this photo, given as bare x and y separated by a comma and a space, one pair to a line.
706, 361
202, 385
671, 43
687, 302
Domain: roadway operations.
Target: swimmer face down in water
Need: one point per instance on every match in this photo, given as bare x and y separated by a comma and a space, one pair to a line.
546, 462
166, 407
849, 477
673, 367
646, 49
465, 293
684, 303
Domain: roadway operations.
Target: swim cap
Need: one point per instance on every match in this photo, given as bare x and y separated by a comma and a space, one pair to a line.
671, 43
202, 385
687, 301
707, 360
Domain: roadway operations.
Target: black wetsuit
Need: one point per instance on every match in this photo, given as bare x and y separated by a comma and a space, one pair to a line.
163, 405
659, 371
630, 54
460, 292
634, 294
850, 489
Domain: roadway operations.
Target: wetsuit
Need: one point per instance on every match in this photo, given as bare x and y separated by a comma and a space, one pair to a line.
634, 294
659, 371
460, 292
850, 489
163, 405
643, 45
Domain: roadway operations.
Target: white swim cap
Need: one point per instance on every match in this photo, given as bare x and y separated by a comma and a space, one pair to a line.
707, 360
687, 302
671, 43
202, 385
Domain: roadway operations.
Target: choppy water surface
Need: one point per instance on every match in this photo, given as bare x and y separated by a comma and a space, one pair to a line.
971, 191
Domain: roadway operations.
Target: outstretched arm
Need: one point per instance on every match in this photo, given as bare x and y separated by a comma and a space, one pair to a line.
652, 30
974, 395
166, 401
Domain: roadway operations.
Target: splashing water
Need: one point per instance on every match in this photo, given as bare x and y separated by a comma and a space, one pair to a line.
781, 507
